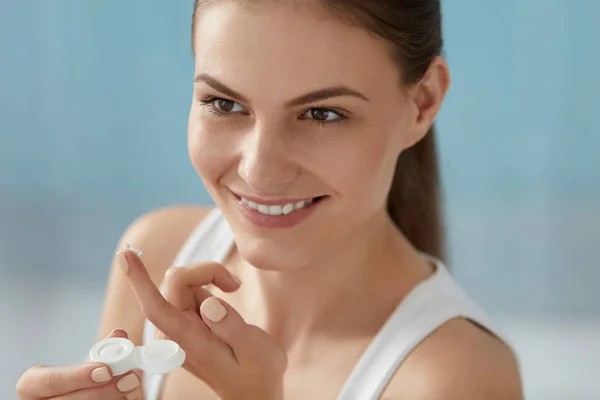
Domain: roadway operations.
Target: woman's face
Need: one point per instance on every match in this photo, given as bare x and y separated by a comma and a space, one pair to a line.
290, 104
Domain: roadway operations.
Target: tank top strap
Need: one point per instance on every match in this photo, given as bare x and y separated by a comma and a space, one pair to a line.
429, 305
211, 240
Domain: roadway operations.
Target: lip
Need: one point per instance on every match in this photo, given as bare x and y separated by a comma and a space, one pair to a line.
280, 201
277, 221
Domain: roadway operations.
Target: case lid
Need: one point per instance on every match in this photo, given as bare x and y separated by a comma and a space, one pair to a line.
120, 354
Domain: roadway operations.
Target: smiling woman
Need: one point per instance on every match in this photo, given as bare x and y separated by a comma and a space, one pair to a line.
311, 126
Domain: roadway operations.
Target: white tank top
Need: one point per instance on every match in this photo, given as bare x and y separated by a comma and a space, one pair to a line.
428, 305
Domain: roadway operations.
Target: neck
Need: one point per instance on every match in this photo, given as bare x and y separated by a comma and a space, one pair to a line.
342, 292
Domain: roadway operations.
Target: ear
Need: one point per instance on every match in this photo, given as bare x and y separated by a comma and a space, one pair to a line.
427, 97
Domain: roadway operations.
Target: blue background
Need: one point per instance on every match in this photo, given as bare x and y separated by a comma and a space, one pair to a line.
94, 100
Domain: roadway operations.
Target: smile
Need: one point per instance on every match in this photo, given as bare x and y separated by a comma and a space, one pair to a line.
278, 209
281, 213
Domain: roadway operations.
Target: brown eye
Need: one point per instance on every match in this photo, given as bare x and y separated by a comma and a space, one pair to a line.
217, 106
225, 105
322, 115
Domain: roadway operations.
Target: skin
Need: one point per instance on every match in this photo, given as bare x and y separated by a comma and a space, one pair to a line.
268, 150
322, 289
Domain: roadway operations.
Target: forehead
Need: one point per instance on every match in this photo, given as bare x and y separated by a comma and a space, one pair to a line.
288, 45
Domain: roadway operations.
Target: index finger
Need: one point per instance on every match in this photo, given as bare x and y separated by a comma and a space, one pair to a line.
155, 307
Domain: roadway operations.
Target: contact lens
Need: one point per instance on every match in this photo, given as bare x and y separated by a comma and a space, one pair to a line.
134, 249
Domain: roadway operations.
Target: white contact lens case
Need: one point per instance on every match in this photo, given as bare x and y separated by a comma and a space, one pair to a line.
121, 355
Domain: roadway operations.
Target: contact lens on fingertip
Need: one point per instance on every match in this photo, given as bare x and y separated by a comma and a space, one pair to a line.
121, 355
134, 249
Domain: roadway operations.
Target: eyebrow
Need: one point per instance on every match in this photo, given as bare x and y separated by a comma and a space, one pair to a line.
317, 95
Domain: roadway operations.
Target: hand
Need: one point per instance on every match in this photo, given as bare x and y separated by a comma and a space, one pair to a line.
238, 361
89, 381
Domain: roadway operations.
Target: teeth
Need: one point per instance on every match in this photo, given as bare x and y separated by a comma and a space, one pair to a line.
276, 209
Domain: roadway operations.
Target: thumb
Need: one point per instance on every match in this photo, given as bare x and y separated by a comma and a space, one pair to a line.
117, 333
227, 324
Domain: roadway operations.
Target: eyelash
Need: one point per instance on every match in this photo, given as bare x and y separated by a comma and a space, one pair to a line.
209, 104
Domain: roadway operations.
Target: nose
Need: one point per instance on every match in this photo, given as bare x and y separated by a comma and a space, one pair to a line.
266, 163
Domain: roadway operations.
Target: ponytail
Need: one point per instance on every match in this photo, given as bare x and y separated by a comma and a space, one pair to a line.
414, 198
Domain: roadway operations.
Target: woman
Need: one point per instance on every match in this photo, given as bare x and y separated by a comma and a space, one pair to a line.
311, 128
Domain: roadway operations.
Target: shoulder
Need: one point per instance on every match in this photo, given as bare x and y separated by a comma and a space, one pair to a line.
160, 234
458, 361
163, 229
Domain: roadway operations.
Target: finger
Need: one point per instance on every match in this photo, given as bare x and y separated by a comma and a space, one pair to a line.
45, 382
128, 387
165, 317
118, 333
203, 333
227, 324
184, 286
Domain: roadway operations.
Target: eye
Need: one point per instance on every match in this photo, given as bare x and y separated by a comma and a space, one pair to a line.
227, 106
322, 115
219, 106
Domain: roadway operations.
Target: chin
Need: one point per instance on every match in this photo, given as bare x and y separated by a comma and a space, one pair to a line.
272, 255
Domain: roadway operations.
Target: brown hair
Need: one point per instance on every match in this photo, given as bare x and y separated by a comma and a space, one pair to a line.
413, 29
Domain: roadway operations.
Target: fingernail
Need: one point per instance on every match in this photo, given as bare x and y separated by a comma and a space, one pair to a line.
128, 383
122, 261
117, 331
213, 309
235, 278
100, 375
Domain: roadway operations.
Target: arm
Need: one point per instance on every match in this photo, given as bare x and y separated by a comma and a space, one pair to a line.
160, 234
459, 361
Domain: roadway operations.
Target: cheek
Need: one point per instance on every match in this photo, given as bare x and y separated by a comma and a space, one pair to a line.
210, 154
364, 172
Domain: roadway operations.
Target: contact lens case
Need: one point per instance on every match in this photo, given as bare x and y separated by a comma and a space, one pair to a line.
121, 355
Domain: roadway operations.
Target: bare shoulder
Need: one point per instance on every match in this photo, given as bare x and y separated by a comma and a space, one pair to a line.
458, 361
160, 234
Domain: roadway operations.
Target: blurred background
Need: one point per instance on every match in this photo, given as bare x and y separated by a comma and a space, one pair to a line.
94, 100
